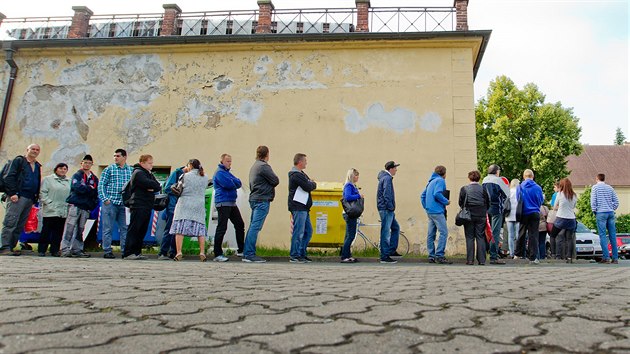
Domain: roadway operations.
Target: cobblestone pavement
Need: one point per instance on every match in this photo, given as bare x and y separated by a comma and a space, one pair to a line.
95, 305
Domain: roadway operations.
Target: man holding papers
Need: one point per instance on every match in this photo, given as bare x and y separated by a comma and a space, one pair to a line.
300, 202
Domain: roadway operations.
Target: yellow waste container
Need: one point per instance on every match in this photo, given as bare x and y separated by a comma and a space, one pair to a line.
329, 227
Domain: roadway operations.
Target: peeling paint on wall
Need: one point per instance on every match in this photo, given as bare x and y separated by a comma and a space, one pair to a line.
250, 111
85, 90
399, 120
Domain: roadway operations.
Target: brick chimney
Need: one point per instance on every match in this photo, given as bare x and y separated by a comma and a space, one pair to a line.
80, 22
169, 21
265, 8
461, 7
363, 13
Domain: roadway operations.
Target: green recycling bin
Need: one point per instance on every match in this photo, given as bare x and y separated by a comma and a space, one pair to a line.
190, 244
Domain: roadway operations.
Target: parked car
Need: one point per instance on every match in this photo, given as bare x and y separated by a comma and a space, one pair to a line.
587, 243
623, 245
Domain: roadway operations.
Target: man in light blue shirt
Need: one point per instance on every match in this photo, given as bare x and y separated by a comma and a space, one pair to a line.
604, 202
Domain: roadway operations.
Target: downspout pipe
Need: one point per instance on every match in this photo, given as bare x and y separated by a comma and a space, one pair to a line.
7, 98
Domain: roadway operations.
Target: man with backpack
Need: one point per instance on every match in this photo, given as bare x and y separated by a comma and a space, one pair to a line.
499, 193
21, 181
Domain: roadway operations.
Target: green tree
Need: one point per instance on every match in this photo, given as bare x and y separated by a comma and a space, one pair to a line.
517, 129
584, 212
619, 137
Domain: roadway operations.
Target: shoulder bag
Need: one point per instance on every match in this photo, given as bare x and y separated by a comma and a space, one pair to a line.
463, 216
353, 209
178, 187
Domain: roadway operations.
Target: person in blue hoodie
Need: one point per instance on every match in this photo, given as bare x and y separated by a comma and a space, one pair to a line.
386, 205
434, 202
532, 196
168, 250
225, 186
82, 199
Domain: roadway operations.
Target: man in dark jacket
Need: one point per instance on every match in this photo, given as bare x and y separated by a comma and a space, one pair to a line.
499, 192
532, 196
386, 205
262, 184
22, 185
300, 202
226, 187
167, 246
143, 189
82, 199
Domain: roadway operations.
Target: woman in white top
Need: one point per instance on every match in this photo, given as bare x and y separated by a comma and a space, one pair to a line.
565, 223
512, 224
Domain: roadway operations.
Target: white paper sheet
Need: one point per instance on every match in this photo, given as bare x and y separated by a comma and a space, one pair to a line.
88, 226
300, 196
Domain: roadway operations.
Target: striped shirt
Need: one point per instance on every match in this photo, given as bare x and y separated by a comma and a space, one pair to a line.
603, 198
113, 179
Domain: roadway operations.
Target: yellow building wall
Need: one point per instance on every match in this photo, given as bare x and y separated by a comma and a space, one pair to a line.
348, 104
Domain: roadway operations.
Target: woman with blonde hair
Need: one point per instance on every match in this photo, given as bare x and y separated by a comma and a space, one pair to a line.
512, 224
350, 193
189, 217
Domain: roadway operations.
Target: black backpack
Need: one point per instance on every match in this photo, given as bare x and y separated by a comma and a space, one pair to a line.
5, 171
126, 194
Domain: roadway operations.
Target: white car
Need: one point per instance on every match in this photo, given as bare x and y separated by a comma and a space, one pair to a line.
587, 243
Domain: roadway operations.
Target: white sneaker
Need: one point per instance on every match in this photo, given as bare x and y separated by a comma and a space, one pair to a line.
221, 258
239, 254
515, 257
535, 261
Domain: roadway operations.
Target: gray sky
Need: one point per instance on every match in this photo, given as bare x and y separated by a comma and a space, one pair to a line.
576, 51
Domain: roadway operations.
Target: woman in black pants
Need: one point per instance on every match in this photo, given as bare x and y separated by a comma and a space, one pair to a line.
475, 198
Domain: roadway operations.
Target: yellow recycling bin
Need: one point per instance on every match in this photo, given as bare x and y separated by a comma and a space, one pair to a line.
329, 227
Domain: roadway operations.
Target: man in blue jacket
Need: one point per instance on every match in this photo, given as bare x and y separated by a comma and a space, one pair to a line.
300, 206
167, 246
225, 187
83, 198
434, 202
532, 196
386, 205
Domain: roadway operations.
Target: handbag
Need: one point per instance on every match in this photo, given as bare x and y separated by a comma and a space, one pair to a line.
354, 208
489, 237
32, 221
463, 216
551, 219
178, 187
160, 202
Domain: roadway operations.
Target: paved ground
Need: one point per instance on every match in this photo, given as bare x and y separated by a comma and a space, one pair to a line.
94, 305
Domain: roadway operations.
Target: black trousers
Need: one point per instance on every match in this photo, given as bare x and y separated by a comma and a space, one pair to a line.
475, 231
231, 213
52, 230
528, 233
138, 226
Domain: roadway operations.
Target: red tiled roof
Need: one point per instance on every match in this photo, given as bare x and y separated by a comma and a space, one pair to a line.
611, 160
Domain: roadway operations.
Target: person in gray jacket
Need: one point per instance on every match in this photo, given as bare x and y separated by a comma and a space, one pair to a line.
189, 218
262, 184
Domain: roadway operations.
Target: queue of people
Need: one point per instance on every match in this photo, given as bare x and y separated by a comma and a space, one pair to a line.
66, 205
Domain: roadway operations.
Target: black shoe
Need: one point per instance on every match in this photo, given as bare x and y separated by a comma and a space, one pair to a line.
496, 261
470, 263
444, 261
388, 260
614, 261
396, 254
307, 260
109, 255
42, 254
80, 255
57, 254
26, 247
604, 261
431, 260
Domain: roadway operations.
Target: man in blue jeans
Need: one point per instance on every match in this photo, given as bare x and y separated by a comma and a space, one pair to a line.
386, 205
113, 180
532, 196
434, 202
498, 192
604, 202
262, 184
300, 202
